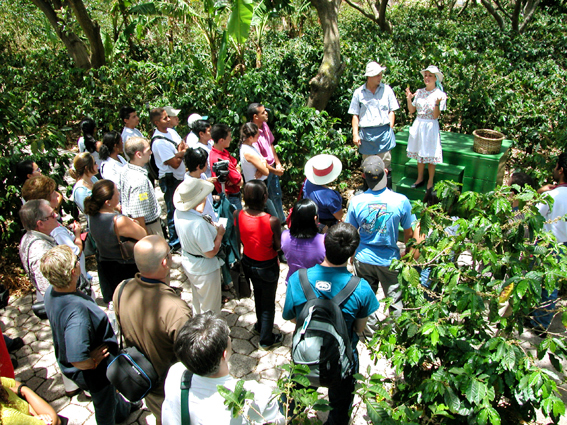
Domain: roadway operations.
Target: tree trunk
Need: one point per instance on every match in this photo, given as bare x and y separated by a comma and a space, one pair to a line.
327, 79
75, 46
92, 31
382, 21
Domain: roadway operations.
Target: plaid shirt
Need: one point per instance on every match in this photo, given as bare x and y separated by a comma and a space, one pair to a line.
137, 195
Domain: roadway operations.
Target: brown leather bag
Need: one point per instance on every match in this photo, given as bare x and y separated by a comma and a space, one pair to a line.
126, 244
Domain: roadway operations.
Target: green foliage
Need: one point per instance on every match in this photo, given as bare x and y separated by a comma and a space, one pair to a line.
236, 400
294, 387
23, 138
458, 353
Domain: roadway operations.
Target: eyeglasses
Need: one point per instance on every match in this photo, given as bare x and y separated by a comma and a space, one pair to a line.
52, 215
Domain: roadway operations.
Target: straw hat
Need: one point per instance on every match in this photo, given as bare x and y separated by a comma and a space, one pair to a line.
323, 169
191, 193
434, 70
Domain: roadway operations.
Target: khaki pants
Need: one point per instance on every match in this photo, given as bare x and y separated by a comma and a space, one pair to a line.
386, 157
155, 228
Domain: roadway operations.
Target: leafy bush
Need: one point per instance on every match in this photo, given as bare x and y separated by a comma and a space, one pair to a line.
459, 359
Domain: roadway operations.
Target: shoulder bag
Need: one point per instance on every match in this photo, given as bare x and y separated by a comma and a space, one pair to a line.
126, 245
131, 373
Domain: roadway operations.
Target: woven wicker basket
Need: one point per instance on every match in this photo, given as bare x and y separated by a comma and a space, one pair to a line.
487, 142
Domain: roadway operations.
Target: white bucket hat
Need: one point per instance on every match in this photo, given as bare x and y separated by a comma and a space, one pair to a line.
171, 111
434, 70
323, 169
195, 117
373, 69
191, 193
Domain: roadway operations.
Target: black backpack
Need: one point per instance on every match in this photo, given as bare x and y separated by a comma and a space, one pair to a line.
153, 168
321, 339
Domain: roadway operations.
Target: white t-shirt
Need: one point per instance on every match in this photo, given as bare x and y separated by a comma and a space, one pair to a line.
195, 143
249, 169
163, 150
192, 138
110, 169
130, 132
174, 135
559, 228
206, 405
196, 237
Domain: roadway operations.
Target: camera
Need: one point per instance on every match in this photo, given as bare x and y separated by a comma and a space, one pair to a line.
220, 168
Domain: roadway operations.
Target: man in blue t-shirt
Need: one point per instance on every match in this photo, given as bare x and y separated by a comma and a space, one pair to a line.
327, 280
377, 214
82, 336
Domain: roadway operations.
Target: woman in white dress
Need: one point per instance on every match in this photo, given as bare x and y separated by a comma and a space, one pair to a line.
424, 143
111, 160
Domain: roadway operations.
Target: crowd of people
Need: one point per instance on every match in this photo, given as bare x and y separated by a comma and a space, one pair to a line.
221, 214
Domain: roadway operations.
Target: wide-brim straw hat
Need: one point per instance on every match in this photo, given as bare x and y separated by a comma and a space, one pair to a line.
373, 69
434, 70
323, 169
191, 193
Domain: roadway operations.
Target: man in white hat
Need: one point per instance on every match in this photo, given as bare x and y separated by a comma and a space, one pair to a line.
200, 241
372, 109
320, 171
193, 136
173, 115
377, 214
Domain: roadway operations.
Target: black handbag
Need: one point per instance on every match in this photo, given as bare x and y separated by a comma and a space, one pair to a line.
4, 296
131, 373
38, 309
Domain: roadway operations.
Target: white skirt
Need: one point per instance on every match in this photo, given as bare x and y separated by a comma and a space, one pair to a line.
424, 142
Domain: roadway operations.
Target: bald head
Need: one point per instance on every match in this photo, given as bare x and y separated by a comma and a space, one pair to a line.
149, 254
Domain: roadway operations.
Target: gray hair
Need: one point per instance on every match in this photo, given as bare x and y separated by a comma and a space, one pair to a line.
57, 264
135, 144
31, 212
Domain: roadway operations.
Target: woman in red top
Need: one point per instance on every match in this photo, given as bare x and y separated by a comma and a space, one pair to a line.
260, 233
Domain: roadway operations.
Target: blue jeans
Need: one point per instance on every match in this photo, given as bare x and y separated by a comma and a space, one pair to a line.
235, 200
110, 407
275, 194
264, 276
168, 186
543, 314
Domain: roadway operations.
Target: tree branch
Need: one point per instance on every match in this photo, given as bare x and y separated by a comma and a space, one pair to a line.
530, 15
493, 12
362, 11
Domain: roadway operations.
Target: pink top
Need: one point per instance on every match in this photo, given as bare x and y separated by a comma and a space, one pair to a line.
265, 142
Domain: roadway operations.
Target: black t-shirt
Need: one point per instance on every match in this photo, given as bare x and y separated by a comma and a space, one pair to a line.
79, 326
